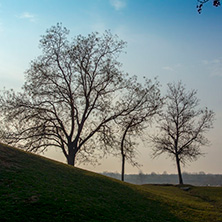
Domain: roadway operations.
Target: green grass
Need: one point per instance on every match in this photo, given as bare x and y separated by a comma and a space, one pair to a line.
196, 204
33, 188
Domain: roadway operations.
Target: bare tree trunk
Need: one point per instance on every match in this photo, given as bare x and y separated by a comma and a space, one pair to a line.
179, 170
71, 156
70, 160
123, 167
123, 154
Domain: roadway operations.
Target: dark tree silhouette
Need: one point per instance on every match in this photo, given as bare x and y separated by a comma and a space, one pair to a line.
200, 4
144, 102
182, 127
69, 97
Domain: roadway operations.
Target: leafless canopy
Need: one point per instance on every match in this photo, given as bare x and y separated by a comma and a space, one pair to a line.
182, 125
70, 94
143, 102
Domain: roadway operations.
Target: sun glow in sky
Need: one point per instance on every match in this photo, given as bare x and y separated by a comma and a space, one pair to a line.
166, 38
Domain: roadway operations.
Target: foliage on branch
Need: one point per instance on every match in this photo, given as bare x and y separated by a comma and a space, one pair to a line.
200, 4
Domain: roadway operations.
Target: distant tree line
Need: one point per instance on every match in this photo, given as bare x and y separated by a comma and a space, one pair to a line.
196, 179
77, 98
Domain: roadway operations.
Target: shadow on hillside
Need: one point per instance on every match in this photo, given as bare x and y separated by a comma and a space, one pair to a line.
38, 189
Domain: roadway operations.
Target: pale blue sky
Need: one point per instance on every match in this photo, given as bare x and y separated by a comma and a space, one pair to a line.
166, 38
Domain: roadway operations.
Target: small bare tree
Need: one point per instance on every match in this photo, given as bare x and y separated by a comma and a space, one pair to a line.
182, 126
143, 102
70, 95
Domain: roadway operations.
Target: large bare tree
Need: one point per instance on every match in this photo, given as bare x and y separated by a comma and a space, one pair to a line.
144, 102
69, 97
182, 126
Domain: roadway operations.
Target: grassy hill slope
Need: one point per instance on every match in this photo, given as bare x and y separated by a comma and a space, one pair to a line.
33, 188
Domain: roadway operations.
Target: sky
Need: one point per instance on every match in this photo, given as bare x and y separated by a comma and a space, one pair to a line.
167, 39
